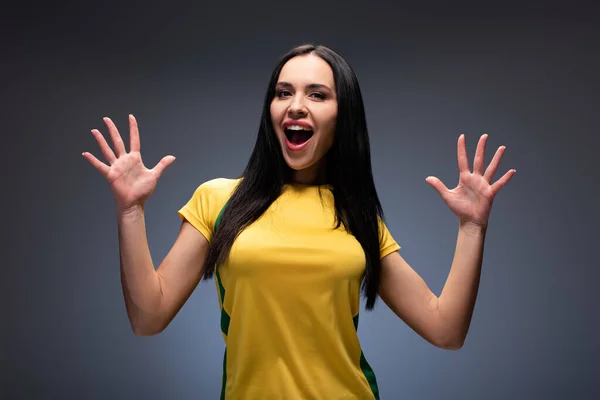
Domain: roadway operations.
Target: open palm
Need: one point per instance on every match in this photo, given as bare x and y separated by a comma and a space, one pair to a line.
130, 181
471, 200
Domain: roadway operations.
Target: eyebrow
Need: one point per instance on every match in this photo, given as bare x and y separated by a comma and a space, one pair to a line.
310, 86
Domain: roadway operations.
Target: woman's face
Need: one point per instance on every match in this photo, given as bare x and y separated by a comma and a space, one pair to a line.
304, 112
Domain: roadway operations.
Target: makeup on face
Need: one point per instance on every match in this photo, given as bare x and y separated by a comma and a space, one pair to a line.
304, 112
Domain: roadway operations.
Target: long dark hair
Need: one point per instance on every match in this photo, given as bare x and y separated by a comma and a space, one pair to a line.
348, 167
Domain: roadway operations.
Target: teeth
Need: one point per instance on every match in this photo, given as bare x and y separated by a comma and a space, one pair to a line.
297, 128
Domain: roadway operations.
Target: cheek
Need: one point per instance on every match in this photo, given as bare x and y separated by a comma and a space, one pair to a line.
275, 113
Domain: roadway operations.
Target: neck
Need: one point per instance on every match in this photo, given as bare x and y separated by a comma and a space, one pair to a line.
316, 174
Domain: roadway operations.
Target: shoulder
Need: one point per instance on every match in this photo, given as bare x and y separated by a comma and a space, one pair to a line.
218, 187
211, 195
214, 194
203, 208
224, 182
221, 183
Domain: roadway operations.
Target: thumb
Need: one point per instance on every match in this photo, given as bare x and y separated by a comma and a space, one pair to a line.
163, 164
436, 184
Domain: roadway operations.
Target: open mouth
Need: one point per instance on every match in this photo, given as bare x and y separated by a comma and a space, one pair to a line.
298, 135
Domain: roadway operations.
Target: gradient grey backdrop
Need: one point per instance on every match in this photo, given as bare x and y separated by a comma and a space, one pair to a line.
195, 76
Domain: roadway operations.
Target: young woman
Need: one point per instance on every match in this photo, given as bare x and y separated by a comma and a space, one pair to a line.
293, 241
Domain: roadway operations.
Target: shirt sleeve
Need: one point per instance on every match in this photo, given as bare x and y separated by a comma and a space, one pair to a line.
387, 244
203, 208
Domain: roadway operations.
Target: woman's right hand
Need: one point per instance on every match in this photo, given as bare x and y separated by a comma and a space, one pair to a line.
130, 181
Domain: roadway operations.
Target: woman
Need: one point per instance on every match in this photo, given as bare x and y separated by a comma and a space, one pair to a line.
294, 239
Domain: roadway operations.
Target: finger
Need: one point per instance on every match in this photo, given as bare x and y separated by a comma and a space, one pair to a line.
493, 167
436, 184
99, 165
115, 136
134, 134
499, 184
463, 161
479, 160
163, 164
107, 152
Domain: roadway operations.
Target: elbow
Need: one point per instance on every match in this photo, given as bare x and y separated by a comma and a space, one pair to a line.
450, 342
139, 332
144, 333
146, 323
142, 330
450, 345
448, 334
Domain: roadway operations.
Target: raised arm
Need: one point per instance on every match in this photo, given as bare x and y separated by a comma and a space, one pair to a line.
152, 297
444, 321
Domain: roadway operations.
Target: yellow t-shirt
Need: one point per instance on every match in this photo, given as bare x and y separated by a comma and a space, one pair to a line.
289, 294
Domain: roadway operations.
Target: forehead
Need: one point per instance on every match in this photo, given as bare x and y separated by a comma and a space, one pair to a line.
307, 69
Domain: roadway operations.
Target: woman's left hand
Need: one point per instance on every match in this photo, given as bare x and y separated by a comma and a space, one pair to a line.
471, 200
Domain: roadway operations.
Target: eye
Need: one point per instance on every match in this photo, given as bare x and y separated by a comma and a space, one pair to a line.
282, 93
317, 95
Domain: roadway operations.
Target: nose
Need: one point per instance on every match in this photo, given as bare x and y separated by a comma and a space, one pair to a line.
297, 107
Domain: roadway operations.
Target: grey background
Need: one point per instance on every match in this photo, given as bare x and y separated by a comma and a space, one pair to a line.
195, 75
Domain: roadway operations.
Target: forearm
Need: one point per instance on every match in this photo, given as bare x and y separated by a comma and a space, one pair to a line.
140, 282
457, 300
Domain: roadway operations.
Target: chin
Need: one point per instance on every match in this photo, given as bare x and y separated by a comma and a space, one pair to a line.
298, 165
300, 160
